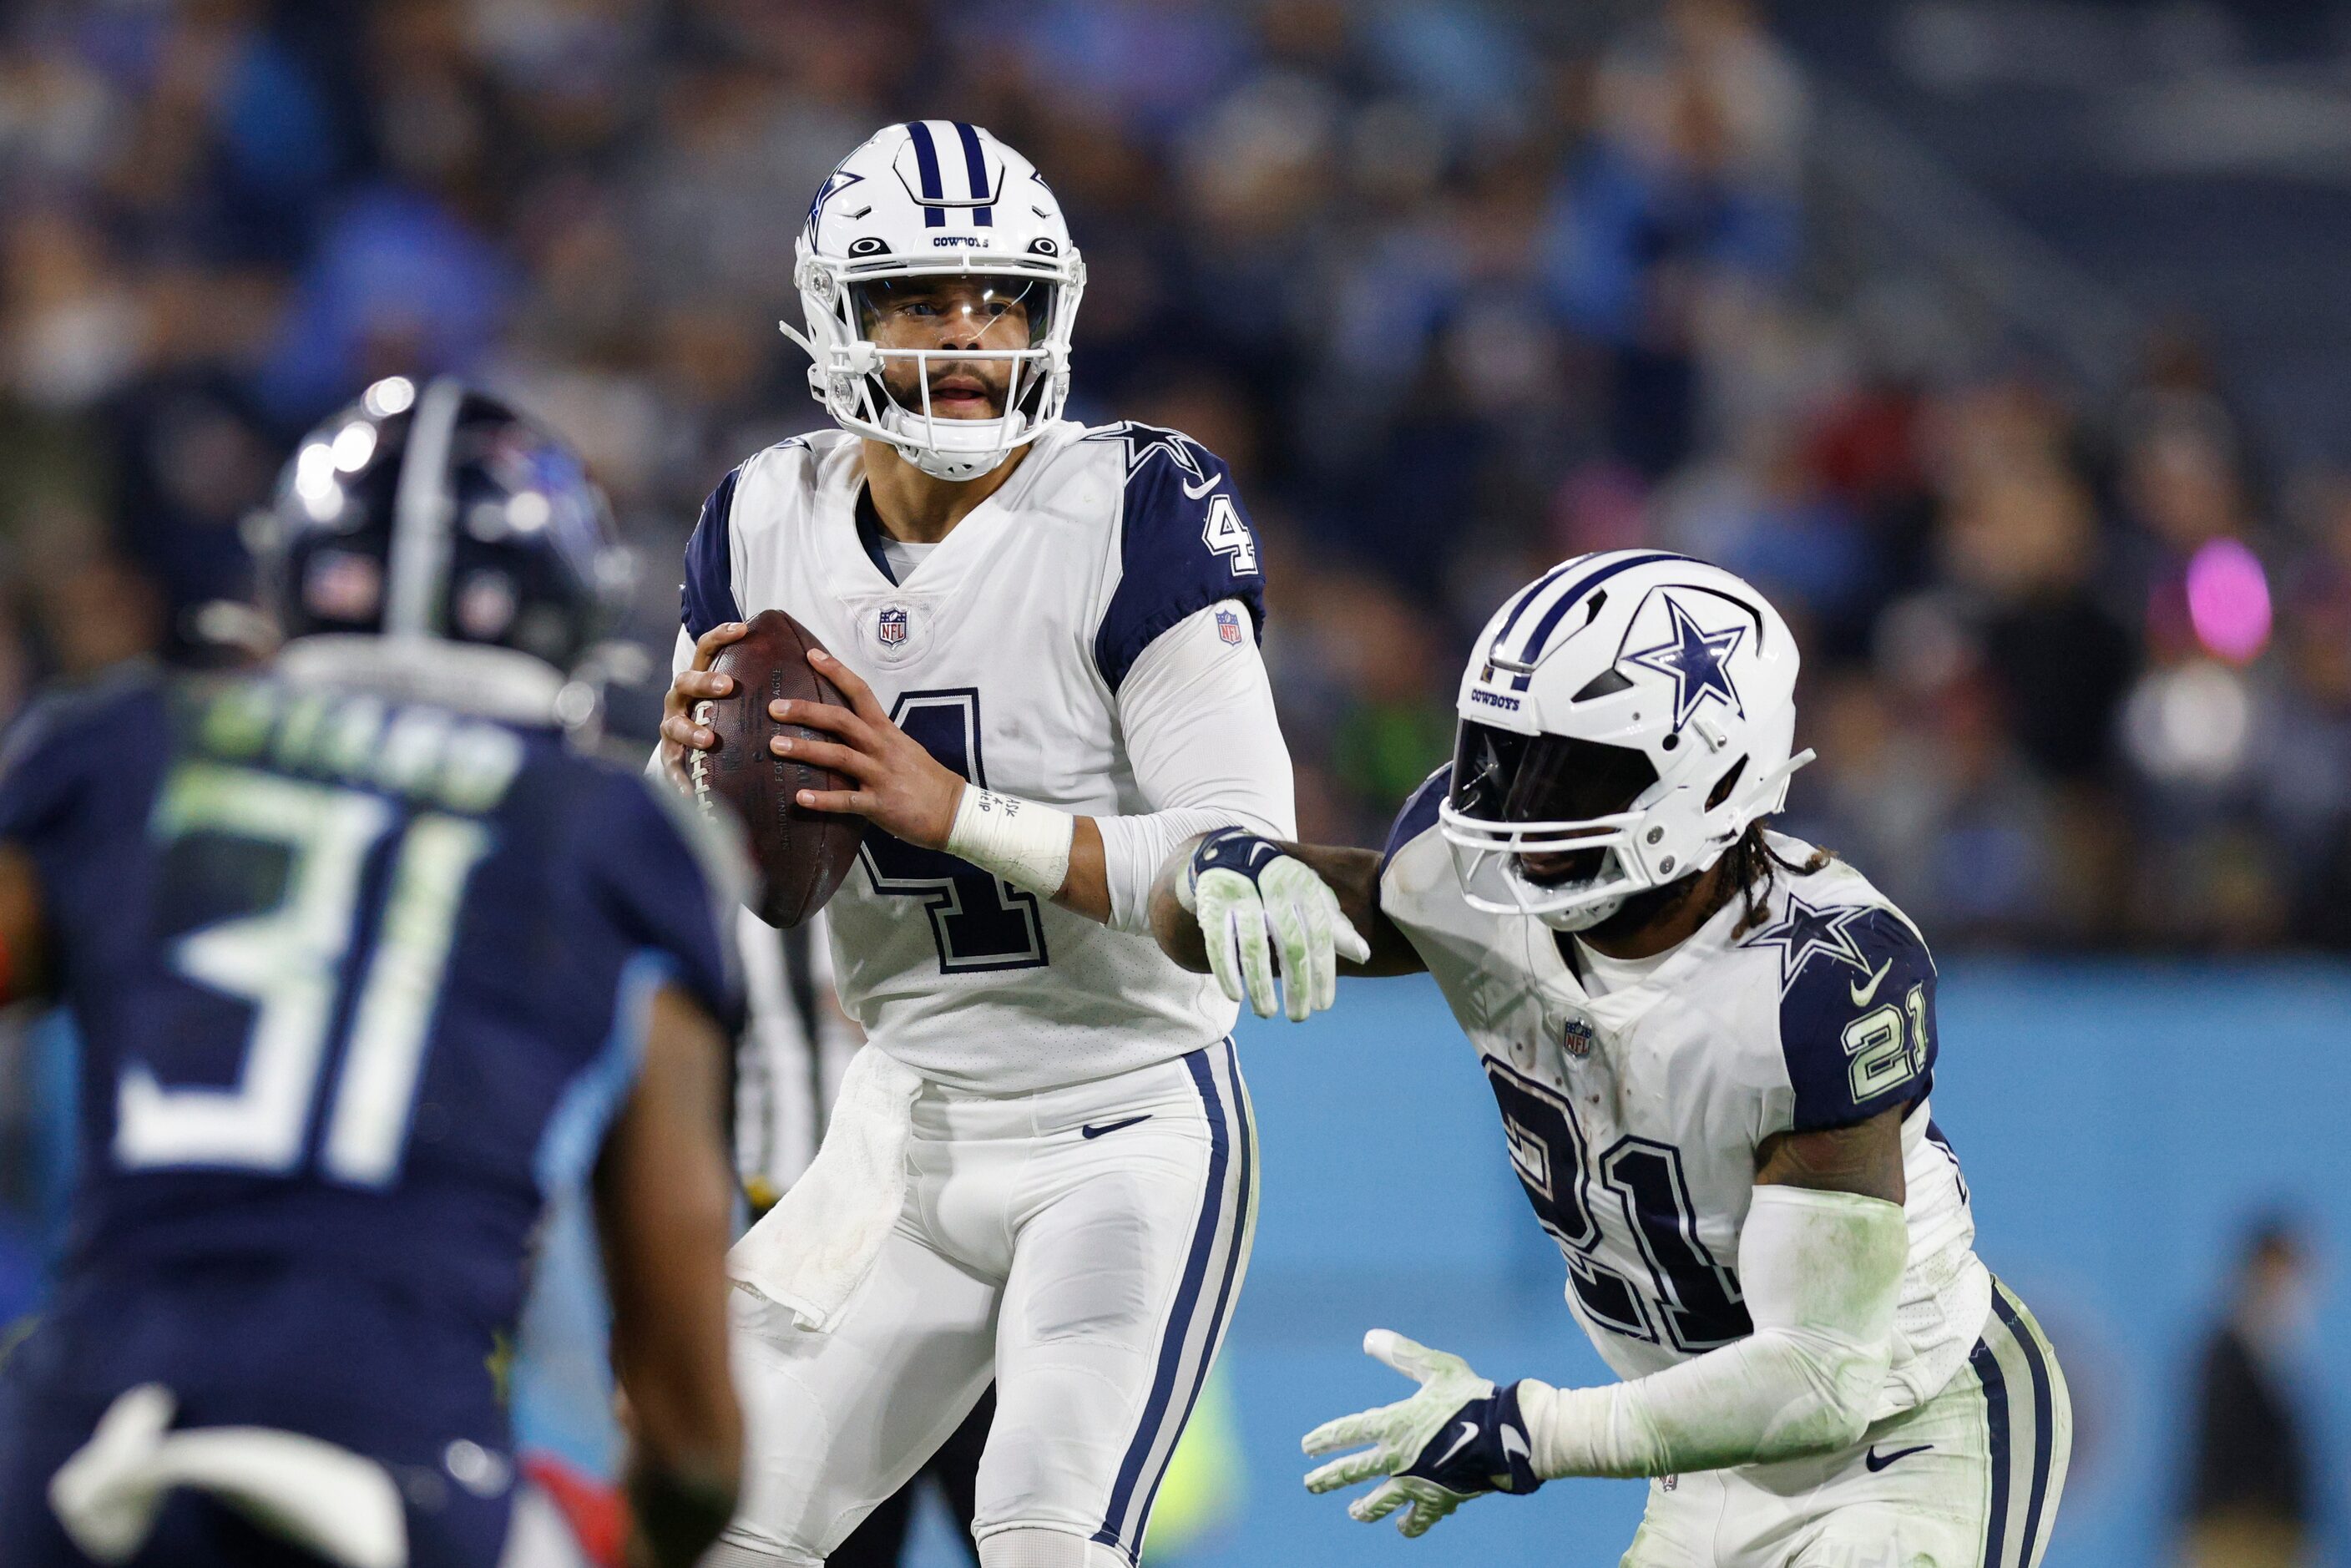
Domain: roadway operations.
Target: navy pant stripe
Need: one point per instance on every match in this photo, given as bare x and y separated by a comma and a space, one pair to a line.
1232, 1268
1213, 1205
2044, 1439
926, 168
974, 168
1995, 1393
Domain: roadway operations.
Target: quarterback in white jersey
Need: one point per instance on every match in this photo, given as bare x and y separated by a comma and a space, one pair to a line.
1049, 635
1712, 1046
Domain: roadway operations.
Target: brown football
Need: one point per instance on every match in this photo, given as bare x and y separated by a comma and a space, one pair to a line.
802, 855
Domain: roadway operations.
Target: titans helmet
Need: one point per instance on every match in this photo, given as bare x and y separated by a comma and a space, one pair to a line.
1622, 720
928, 199
437, 511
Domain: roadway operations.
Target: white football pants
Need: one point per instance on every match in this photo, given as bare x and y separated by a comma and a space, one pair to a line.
1082, 1247
1970, 1479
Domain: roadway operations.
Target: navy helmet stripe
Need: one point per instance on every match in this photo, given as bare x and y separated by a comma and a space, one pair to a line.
926, 165
975, 166
1540, 635
1178, 1331
1528, 595
1246, 1143
2043, 1416
1995, 1393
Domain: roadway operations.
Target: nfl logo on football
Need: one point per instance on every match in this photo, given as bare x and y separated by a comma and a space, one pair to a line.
1576, 1035
1228, 627
890, 627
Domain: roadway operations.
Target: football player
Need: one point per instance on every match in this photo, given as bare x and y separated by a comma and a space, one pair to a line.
369, 959
1047, 636
1712, 1046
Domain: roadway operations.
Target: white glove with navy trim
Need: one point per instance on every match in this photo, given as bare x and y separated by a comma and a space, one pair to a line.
1253, 901
1460, 1437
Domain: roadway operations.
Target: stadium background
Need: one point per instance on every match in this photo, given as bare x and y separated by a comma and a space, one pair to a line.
2000, 342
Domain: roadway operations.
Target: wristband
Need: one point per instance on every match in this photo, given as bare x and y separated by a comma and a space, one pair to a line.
1025, 843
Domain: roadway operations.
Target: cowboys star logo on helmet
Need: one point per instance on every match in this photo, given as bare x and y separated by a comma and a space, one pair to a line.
922, 200
1629, 715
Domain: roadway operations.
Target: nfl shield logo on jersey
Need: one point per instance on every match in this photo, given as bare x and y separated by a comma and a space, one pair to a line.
1228, 627
890, 626
1576, 1035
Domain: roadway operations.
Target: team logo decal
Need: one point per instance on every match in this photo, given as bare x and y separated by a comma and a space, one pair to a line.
1807, 932
1576, 1035
890, 626
1228, 627
1699, 660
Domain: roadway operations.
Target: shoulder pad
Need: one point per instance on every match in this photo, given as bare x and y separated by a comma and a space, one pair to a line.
1185, 543
1857, 1010
1419, 813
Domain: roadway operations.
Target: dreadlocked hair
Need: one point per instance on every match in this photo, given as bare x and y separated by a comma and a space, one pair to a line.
1754, 863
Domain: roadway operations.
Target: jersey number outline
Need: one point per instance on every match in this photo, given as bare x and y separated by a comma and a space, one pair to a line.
1225, 535
1691, 1302
286, 962
979, 921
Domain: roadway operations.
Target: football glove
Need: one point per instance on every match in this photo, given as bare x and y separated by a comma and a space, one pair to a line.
1251, 898
1458, 1437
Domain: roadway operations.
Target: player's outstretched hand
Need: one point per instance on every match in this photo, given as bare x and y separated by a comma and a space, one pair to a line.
1255, 901
1456, 1438
695, 683
898, 787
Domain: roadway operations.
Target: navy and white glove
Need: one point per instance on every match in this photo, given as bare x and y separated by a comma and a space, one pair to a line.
1251, 898
1455, 1438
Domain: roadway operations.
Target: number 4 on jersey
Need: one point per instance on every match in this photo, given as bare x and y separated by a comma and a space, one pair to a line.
979, 921
1226, 535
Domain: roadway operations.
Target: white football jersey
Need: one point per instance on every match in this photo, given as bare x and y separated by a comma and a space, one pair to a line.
1633, 1117
1002, 653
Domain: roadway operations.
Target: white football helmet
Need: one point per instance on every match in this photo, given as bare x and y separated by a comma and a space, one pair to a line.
1626, 715
926, 199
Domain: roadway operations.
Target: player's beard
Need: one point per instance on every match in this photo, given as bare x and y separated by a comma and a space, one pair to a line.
905, 385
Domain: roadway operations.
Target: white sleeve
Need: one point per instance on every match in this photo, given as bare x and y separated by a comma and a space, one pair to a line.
1197, 714
1822, 1273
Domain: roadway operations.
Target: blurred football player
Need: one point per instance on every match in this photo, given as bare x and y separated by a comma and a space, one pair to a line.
1712, 1046
1041, 1169
369, 960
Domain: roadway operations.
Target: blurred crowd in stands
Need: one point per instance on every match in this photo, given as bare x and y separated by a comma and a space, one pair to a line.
1457, 291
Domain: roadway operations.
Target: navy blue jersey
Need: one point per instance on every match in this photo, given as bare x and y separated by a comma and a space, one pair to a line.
359, 984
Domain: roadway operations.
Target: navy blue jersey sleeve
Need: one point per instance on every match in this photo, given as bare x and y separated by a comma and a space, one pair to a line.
707, 598
1419, 813
673, 891
1185, 544
1857, 1011
67, 748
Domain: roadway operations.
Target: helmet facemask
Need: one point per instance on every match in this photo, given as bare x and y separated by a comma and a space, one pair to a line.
896, 345
1543, 824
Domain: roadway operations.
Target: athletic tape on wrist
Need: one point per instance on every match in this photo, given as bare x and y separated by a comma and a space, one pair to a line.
1025, 843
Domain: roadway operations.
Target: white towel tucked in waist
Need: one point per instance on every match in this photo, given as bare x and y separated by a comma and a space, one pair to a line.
811, 1251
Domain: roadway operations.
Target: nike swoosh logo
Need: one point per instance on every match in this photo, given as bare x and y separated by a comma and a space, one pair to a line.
1194, 492
1468, 1435
1861, 993
1091, 1131
1515, 1442
1877, 1462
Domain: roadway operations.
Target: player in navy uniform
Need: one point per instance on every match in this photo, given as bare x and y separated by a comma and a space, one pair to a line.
368, 960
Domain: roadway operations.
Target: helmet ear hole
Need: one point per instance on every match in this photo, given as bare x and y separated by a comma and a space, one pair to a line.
1723, 785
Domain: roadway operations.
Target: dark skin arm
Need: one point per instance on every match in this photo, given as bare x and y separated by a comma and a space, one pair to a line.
1864, 1158
664, 1200
1353, 874
24, 929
